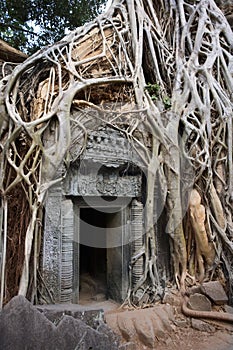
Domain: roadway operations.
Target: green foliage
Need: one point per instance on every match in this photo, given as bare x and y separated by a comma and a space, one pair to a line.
167, 102
31, 24
155, 92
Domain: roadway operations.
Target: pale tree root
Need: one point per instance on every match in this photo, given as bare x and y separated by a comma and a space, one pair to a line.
166, 70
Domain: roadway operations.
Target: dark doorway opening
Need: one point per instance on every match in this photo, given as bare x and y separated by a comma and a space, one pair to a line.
93, 254
101, 253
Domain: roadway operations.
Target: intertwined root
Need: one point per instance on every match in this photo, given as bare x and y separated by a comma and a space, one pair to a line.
166, 69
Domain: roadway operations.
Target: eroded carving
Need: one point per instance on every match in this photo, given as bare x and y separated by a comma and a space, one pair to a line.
110, 148
102, 184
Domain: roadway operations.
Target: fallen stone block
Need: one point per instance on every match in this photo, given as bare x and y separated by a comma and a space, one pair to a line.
202, 326
199, 302
214, 290
145, 331
159, 330
128, 346
228, 309
22, 326
126, 326
172, 298
74, 334
165, 313
181, 323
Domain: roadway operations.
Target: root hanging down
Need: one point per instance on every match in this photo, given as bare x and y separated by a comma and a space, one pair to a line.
158, 70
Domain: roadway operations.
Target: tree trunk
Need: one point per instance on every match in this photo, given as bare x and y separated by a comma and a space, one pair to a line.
168, 64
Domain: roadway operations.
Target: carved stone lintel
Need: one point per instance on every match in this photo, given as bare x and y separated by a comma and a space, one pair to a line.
101, 184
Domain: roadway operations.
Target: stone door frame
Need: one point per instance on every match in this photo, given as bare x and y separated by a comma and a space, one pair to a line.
123, 249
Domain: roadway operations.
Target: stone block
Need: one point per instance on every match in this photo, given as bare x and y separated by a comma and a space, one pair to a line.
181, 323
22, 326
228, 309
199, 302
73, 333
126, 326
172, 299
54, 313
159, 331
214, 290
194, 289
113, 339
128, 346
202, 326
145, 331
165, 314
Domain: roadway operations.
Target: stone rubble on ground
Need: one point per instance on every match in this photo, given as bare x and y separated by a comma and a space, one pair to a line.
150, 327
145, 326
22, 326
199, 302
202, 326
128, 346
215, 292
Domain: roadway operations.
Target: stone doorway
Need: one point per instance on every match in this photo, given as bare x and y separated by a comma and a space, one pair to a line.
67, 248
107, 177
101, 253
93, 259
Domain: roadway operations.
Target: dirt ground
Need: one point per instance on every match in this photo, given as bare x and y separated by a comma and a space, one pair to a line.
191, 339
176, 334
181, 336
161, 327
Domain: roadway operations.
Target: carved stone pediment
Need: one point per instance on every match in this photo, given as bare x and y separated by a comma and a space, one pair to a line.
110, 148
99, 170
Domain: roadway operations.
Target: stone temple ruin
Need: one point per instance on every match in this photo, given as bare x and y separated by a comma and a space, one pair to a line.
103, 139
94, 217
87, 220
94, 222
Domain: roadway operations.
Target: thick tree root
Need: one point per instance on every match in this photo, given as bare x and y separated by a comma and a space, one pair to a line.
212, 315
160, 72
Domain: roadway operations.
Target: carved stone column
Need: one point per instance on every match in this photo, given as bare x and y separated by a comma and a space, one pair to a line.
67, 229
137, 237
51, 267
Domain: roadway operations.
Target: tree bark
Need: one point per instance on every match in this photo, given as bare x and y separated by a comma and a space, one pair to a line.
166, 67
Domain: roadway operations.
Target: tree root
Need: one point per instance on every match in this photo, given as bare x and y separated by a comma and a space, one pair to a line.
182, 50
212, 315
